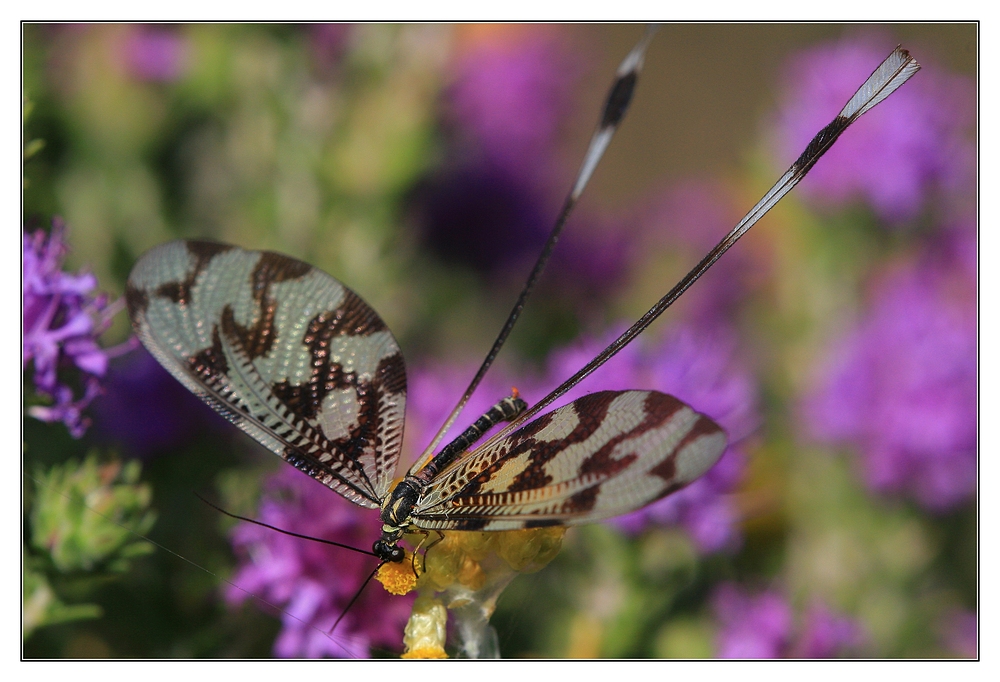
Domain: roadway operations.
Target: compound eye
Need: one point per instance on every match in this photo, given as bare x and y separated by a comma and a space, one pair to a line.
398, 553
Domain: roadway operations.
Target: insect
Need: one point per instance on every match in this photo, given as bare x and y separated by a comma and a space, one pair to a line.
302, 364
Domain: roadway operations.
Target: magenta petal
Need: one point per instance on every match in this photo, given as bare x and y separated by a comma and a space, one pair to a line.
51, 297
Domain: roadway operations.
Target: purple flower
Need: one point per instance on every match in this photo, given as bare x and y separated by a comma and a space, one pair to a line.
900, 387
499, 191
761, 626
61, 321
827, 634
592, 258
154, 52
960, 633
312, 583
500, 188
697, 365
145, 410
433, 390
510, 92
899, 156
683, 223
484, 215
751, 626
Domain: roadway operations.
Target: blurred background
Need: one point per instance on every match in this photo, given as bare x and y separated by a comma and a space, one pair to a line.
423, 166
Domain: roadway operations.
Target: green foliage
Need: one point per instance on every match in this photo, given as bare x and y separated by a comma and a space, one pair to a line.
86, 520
41, 606
87, 516
31, 146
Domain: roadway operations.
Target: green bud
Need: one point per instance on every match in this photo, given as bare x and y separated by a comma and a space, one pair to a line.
87, 516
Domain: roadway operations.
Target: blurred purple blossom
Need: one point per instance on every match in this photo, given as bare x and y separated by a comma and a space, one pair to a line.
901, 385
751, 626
689, 219
155, 52
960, 633
699, 366
511, 93
591, 259
145, 410
312, 583
62, 319
898, 156
762, 626
500, 187
484, 215
826, 634
433, 390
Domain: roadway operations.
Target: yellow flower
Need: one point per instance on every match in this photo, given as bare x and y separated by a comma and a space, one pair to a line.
464, 572
425, 631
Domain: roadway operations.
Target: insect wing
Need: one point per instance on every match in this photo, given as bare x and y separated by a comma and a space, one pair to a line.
605, 454
282, 350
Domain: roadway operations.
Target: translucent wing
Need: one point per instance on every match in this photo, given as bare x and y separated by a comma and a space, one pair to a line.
282, 350
605, 454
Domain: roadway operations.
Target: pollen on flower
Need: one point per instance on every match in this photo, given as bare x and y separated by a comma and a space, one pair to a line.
426, 653
397, 578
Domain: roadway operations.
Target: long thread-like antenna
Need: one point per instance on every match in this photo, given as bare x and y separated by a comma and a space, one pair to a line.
355, 598
282, 530
897, 68
614, 110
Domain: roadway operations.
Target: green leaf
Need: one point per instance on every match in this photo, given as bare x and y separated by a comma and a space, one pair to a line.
41, 605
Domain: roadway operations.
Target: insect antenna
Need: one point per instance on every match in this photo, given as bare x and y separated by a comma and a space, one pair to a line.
355, 598
615, 106
897, 68
282, 530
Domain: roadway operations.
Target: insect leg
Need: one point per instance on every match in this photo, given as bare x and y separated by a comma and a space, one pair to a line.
413, 558
439, 539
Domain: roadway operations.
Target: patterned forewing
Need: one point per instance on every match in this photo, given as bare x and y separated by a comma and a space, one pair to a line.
605, 454
284, 351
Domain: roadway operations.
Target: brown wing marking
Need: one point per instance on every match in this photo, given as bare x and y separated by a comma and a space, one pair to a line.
600, 456
284, 351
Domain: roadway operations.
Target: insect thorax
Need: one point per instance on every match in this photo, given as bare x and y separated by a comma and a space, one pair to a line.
399, 505
395, 517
